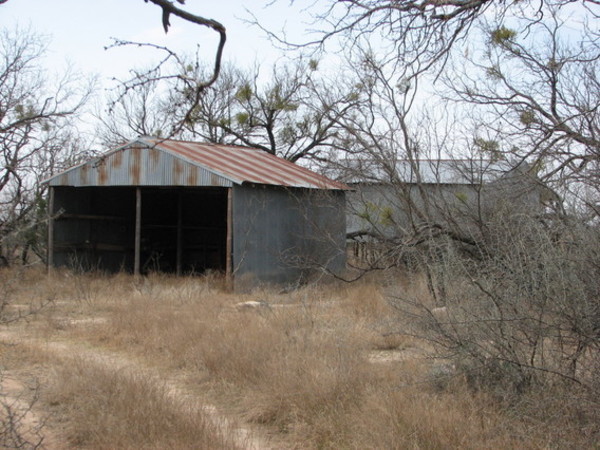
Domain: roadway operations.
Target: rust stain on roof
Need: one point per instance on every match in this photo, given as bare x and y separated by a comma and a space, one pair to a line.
246, 165
135, 165
177, 171
195, 164
116, 160
83, 174
154, 156
102, 173
192, 178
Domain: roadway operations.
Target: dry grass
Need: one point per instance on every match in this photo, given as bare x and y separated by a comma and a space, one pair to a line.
293, 372
409, 418
302, 370
108, 409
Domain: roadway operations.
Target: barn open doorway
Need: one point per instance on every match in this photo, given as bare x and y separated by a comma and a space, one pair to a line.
183, 230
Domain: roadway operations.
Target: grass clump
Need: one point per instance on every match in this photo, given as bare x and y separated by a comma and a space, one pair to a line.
117, 409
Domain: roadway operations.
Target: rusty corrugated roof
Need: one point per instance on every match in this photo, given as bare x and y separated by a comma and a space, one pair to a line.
164, 162
244, 164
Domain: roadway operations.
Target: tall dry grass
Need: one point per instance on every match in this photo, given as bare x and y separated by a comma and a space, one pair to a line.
290, 370
326, 366
108, 409
299, 367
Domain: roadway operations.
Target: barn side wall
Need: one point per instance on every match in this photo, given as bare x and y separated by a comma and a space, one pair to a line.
392, 212
284, 235
385, 209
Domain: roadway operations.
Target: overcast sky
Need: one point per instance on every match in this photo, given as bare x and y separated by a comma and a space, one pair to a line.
78, 30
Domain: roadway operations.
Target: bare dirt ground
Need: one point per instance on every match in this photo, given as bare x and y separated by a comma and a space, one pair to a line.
17, 399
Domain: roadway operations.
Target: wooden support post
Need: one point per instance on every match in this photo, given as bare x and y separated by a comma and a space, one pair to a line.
229, 241
138, 230
50, 256
179, 255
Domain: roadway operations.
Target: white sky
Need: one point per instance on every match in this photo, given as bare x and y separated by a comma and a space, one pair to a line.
78, 31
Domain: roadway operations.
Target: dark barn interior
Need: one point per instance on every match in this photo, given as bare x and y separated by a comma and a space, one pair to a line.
183, 229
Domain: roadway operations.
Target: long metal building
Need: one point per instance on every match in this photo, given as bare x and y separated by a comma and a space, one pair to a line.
185, 207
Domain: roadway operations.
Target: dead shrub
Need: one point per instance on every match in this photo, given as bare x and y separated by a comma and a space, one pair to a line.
524, 318
17, 428
526, 314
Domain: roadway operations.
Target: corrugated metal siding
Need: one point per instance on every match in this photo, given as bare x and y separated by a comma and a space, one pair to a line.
433, 171
135, 165
246, 165
153, 162
281, 235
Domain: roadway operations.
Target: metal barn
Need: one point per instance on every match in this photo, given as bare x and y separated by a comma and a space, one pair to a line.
185, 207
391, 200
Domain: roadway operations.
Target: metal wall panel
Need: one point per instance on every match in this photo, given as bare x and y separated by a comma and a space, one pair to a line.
285, 235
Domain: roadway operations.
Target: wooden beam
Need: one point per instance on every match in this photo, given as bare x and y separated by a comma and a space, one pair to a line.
65, 216
229, 241
179, 255
50, 256
138, 230
91, 246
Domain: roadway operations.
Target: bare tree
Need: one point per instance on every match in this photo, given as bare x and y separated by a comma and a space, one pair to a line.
35, 119
529, 67
137, 112
293, 113
521, 312
402, 153
195, 88
535, 89
412, 33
